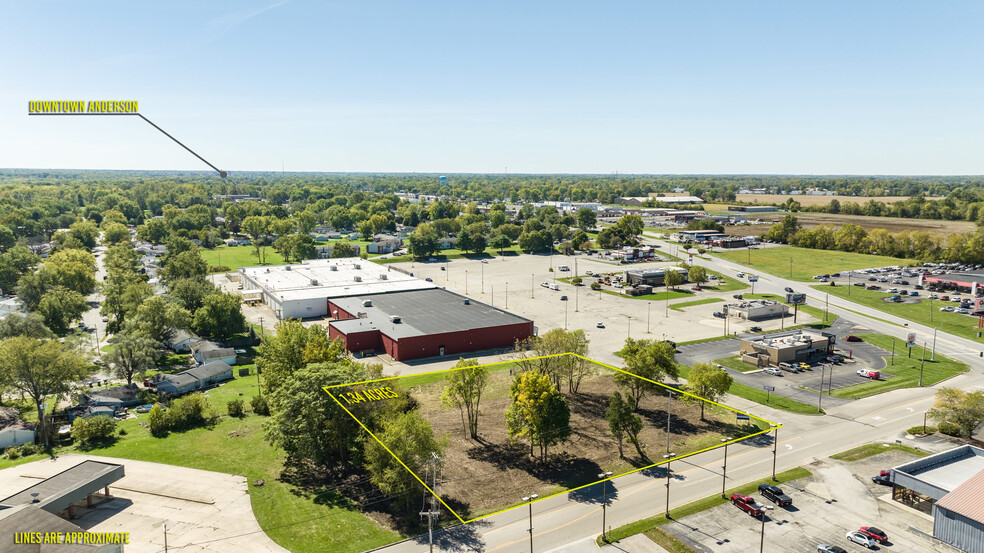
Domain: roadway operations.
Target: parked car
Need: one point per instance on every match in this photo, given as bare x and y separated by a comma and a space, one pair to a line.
852, 338
858, 284
789, 290
105, 319
563, 298
747, 503
860, 539
756, 329
882, 479
719, 315
775, 495
696, 288
869, 373
874, 533
429, 279
738, 296
600, 324
827, 548
545, 284
789, 367
774, 371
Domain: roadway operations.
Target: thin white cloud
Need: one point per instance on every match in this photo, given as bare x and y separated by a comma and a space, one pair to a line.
232, 20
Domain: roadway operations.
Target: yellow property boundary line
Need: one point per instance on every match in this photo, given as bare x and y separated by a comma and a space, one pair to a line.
327, 389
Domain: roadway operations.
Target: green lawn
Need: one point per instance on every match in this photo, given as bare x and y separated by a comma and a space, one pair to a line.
652, 524
905, 371
682, 305
760, 396
806, 262
733, 362
455, 253
730, 284
239, 256
299, 518
826, 318
869, 450
925, 312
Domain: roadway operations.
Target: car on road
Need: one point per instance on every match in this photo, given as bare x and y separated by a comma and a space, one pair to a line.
860, 539
696, 288
827, 548
738, 296
756, 329
741, 275
600, 324
775, 495
746, 503
561, 268
858, 284
788, 289
105, 319
774, 371
852, 338
545, 284
874, 533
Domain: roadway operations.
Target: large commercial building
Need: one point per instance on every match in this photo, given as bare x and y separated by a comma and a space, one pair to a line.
423, 323
950, 486
652, 277
787, 346
302, 290
962, 282
375, 308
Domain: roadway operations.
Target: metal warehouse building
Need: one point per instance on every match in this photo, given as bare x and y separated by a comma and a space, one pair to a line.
423, 323
303, 290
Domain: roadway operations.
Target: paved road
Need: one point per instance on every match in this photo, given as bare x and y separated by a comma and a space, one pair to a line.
565, 519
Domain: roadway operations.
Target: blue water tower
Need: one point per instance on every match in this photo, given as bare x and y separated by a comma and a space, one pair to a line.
443, 181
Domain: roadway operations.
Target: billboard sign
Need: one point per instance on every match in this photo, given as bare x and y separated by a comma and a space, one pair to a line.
910, 340
796, 299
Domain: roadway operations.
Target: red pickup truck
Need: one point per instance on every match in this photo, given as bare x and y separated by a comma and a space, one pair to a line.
746, 503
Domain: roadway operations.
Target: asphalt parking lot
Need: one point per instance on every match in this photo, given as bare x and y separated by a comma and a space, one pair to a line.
838, 497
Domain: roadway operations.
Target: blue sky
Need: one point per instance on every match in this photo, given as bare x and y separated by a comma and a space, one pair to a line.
873, 87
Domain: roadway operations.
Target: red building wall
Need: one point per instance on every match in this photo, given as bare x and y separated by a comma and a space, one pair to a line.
454, 343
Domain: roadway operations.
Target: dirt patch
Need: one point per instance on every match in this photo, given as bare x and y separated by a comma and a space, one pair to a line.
891, 224
491, 473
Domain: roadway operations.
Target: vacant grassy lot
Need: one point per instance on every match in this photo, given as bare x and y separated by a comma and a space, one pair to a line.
239, 256
300, 518
905, 370
734, 362
683, 305
806, 262
870, 450
891, 224
924, 312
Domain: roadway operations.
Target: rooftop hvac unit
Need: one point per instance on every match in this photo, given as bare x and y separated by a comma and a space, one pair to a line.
356, 266
314, 282
366, 303
334, 268
382, 277
358, 278
467, 302
394, 318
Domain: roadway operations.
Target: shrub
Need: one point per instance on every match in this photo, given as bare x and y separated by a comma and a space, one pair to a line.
595, 286
259, 405
949, 429
237, 408
158, 420
188, 412
218, 269
576, 281
12, 452
90, 431
918, 430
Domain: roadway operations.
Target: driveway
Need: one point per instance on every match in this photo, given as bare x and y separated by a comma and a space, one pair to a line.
205, 512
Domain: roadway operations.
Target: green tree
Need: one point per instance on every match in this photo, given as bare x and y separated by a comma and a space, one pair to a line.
73, 269
133, 353
190, 292
90, 431
115, 233
59, 307
538, 412
342, 249
295, 247
30, 325
463, 389
85, 232
708, 382
411, 439
155, 231
672, 278
219, 317
293, 347
464, 241
649, 362
697, 275
586, 218
257, 227
159, 317
500, 242
958, 407
623, 424
39, 369
187, 264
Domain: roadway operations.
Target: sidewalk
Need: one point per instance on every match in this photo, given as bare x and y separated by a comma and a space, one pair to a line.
638, 543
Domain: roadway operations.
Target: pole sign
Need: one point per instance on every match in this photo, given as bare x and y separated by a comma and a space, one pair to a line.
752, 278
768, 388
796, 299
910, 340
743, 417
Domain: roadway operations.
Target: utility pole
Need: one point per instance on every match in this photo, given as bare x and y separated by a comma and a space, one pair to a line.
922, 364
507, 295
826, 308
724, 468
532, 289
775, 450
466, 282
530, 498
431, 513
649, 311
165, 537
893, 351
669, 404
668, 457
576, 290
604, 501
483, 278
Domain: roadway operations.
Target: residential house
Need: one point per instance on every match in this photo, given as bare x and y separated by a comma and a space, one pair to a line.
124, 396
194, 379
207, 351
382, 243
181, 341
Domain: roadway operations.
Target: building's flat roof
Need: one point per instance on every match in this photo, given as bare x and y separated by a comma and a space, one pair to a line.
958, 277
421, 312
946, 470
790, 338
315, 279
65, 483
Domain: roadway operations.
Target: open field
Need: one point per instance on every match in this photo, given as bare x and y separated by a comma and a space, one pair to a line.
300, 517
805, 199
239, 256
923, 312
803, 263
481, 476
891, 224
905, 370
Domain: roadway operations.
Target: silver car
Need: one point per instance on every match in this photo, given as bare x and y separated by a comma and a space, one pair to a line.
773, 371
860, 539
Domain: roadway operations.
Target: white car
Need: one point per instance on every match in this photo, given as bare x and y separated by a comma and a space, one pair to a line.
545, 284
774, 371
860, 539
600, 324
741, 275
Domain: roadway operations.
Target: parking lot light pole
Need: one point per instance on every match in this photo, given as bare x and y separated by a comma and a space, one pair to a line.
604, 501
922, 364
935, 328
669, 404
507, 295
820, 395
532, 289
649, 309
668, 457
724, 467
762, 537
530, 498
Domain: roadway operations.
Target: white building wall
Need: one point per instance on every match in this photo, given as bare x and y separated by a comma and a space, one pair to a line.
16, 437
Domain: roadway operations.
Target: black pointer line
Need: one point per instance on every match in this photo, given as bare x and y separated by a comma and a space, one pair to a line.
221, 173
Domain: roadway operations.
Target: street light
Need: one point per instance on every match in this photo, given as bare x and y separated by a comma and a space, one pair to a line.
604, 502
669, 404
762, 538
775, 450
724, 467
935, 328
668, 457
530, 498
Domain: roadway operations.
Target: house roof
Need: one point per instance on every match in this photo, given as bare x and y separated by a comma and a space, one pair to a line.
206, 371
125, 392
967, 499
183, 335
